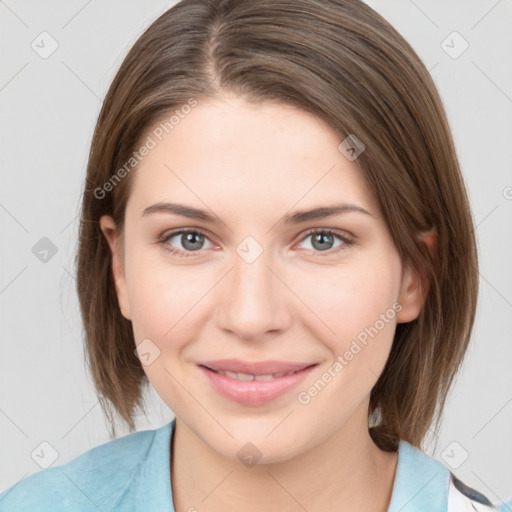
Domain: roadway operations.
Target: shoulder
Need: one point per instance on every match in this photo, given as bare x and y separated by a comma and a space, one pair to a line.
425, 484
462, 498
94, 480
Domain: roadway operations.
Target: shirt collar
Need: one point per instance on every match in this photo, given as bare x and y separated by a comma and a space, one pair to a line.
421, 482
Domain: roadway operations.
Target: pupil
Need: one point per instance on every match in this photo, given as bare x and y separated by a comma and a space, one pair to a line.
321, 238
189, 238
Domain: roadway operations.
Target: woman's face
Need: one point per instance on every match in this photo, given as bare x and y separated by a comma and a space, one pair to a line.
255, 287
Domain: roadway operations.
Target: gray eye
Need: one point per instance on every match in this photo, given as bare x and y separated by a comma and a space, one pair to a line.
322, 241
189, 241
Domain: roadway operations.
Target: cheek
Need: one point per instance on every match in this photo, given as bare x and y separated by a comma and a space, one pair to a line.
348, 298
357, 328
165, 303
165, 299
160, 300
358, 320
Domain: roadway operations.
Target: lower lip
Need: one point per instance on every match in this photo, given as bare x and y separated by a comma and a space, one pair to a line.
255, 392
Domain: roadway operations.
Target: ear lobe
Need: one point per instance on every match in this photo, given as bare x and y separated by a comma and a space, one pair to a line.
414, 285
411, 296
109, 229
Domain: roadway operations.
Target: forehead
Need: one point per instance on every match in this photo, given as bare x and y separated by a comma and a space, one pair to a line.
227, 151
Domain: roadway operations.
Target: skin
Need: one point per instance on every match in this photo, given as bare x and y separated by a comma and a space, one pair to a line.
250, 165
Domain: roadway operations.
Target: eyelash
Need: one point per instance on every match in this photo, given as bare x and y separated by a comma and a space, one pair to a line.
347, 241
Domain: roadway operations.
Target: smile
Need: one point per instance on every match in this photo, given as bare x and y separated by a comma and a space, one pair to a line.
253, 390
250, 376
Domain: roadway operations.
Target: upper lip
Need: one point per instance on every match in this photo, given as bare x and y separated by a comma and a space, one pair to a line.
254, 368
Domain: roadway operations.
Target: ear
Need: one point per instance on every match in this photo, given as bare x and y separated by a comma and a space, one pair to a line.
414, 286
109, 229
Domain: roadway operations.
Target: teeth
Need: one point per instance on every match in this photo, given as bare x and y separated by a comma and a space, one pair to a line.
241, 376
263, 377
249, 376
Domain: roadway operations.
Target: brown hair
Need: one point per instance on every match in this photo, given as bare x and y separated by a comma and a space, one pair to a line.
344, 63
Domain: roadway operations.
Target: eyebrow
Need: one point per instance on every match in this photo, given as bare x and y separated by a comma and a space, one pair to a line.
297, 217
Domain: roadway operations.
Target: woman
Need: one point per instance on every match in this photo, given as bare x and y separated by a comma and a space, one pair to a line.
276, 236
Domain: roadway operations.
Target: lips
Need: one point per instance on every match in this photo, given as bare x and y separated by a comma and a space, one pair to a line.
274, 368
254, 384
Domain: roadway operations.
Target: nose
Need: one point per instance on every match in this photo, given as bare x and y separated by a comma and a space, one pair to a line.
253, 300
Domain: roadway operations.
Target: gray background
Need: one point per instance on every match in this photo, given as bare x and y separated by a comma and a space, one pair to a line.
49, 107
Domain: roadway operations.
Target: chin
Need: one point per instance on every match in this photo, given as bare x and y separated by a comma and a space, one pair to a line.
255, 445
259, 453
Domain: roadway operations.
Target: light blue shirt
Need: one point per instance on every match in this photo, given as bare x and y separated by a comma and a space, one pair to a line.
132, 473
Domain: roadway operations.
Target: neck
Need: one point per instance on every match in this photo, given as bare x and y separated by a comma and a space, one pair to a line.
347, 471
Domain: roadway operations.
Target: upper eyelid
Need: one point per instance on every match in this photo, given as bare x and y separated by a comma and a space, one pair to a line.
180, 231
